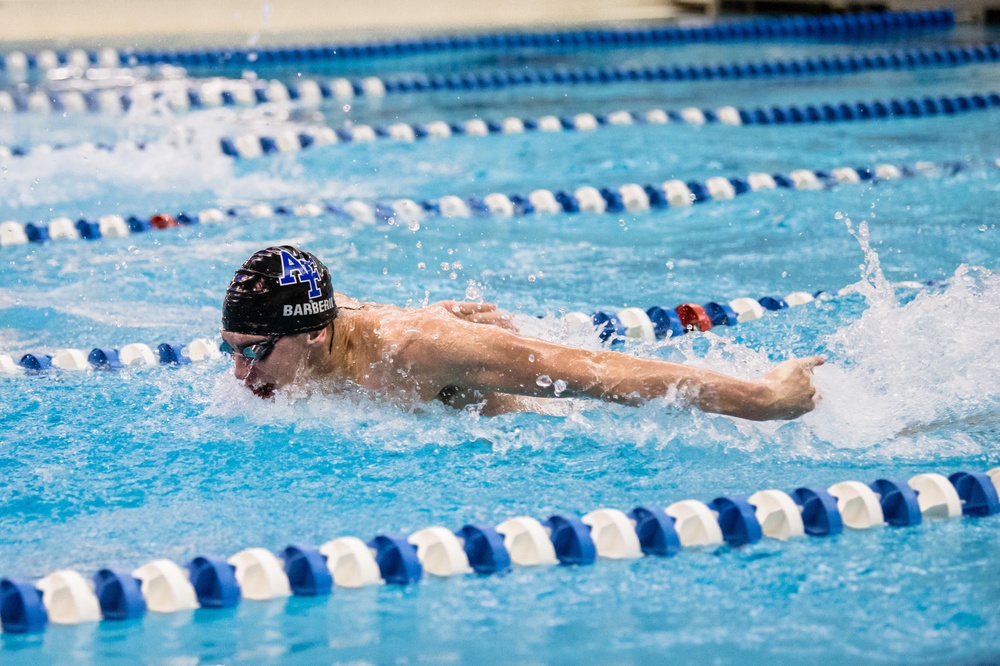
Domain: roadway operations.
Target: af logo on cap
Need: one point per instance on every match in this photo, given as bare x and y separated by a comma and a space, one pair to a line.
294, 271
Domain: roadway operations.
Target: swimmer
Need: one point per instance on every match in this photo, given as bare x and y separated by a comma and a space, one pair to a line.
284, 325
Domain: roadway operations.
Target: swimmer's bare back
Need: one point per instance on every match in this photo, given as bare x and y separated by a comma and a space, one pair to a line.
465, 354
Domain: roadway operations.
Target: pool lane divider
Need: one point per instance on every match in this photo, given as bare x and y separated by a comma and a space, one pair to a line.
651, 530
252, 145
836, 26
312, 92
613, 328
631, 198
248, 146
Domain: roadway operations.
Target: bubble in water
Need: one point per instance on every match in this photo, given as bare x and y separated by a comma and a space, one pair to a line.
413, 225
453, 275
531, 278
544, 381
347, 107
445, 265
531, 358
421, 265
559, 386
838, 215
983, 227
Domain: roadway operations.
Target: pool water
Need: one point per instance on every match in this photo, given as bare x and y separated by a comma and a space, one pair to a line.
115, 469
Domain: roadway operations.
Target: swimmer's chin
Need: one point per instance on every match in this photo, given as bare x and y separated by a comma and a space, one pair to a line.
263, 390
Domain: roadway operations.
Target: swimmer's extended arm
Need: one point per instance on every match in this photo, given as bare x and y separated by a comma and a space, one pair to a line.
490, 359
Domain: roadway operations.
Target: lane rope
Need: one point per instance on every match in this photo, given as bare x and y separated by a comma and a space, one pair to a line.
650, 530
249, 146
613, 328
312, 92
631, 198
835, 26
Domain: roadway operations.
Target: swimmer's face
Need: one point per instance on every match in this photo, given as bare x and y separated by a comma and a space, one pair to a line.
281, 362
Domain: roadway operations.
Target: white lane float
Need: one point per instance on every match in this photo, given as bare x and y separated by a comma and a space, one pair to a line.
260, 574
613, 534
858, 504
69, 598
936, 496
527, 541
440, 552
351, 562
778, 514
166, 587
695, 523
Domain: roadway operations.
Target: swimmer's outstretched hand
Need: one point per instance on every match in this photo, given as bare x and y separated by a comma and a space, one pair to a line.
792, 392
479, 313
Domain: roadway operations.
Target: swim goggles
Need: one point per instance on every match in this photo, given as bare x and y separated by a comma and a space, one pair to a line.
255, 352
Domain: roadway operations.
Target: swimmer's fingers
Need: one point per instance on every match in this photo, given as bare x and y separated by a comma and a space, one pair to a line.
463, 308
810, 362
501, 319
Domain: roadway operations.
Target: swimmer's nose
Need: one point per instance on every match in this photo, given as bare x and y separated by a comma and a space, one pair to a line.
241, 368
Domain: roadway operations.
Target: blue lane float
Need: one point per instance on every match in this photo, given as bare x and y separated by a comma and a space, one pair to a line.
307, 572
839, 26
119, 595
617, 200
249, 146
214, 582
647, 531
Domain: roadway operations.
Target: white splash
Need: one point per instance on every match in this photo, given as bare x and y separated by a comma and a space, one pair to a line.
912, 377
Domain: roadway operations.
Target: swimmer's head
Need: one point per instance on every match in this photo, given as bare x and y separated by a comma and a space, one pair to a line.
279, 291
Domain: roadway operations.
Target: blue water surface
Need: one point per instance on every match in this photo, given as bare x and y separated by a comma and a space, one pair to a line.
115, 469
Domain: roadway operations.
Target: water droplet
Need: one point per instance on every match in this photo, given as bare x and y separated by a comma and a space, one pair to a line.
983, 227
452, 275
472, 293
413, 225
621, 222
559, 386
419, 245
347, 107
531, 278
445, 265
421, 265
544, 381
838, 215
385, 270
531, 358
670, 265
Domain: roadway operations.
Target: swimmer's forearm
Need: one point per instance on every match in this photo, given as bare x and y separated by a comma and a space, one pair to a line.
549, 371
632, 381
520, 365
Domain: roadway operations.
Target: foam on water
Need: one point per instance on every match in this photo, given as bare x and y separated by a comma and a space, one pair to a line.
911, 378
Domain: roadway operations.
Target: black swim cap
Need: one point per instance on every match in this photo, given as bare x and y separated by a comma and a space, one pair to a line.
279, 291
